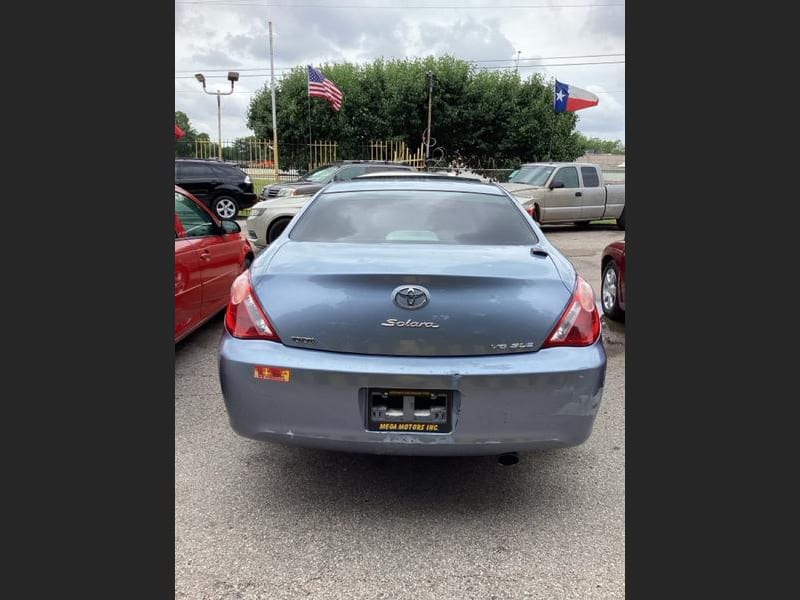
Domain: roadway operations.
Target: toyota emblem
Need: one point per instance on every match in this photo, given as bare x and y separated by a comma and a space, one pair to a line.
411, 297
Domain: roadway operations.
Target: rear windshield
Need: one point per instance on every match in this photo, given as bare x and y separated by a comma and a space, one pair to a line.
414, 216
228, 171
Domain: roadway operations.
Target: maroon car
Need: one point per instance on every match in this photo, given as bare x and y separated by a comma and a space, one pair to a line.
612, 292
209, 255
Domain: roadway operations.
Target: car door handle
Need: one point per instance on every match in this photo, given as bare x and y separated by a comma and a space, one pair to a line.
205, 255
579, 193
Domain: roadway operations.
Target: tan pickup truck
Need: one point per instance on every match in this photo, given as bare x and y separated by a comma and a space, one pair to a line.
561, 192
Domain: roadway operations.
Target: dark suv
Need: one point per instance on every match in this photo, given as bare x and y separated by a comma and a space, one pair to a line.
223, 187
342, 170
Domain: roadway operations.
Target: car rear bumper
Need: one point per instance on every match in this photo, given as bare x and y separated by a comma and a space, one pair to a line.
509, 403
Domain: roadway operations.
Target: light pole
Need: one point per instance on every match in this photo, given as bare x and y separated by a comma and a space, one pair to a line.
233, 77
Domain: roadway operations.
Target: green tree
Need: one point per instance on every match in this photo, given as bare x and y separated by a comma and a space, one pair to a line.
184, 147
489, 118
600, 146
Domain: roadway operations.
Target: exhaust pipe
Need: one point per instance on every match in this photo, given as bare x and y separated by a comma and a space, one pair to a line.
508, 459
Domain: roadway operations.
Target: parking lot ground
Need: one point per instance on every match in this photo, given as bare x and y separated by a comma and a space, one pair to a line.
255, 520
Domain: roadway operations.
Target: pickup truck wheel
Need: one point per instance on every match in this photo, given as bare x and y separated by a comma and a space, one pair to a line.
609, 292
621, 220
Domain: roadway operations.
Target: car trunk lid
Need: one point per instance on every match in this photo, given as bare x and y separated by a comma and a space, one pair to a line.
482, 299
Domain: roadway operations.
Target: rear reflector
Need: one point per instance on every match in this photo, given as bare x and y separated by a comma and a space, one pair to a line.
272, 373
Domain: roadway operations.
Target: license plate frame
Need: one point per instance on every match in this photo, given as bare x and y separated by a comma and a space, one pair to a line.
404, 410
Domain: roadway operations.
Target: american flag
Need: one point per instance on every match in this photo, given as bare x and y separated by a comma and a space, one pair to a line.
320, 87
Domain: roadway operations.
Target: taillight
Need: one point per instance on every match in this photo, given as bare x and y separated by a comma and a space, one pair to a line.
580, 323
245, 318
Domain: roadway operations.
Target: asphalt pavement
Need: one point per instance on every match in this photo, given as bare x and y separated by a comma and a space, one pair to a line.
256, 520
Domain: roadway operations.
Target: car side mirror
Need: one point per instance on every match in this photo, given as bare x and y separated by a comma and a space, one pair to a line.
230, 227
556, 185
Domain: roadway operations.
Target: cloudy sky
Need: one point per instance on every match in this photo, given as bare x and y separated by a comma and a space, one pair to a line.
215, 36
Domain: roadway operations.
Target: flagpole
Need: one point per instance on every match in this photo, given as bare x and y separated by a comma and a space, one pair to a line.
308, 90
552, 125
274, 110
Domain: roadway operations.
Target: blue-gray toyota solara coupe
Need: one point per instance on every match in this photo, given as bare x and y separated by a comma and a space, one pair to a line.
413, 316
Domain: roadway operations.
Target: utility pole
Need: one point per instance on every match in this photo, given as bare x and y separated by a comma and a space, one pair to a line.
428, 141
516, 69
274, 113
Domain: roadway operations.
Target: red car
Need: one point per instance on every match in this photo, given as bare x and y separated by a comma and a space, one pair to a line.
209, 255
612, 293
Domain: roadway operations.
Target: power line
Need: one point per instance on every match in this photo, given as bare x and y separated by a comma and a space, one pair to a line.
221, 76
201, 92
400, 7
239, 69
259, 91
473, 60
544, 57
610, 62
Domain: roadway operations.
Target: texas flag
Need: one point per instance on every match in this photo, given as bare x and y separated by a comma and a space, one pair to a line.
569, 98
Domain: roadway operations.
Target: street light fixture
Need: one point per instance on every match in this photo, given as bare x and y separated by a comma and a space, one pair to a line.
233, 77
